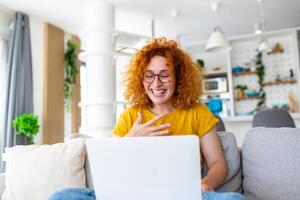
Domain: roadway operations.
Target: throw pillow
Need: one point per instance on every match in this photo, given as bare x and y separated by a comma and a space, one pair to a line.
233, 181
35, 171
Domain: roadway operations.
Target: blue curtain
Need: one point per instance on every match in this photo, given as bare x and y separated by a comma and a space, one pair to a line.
18, 97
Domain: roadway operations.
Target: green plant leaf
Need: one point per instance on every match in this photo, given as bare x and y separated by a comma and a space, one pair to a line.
26, 124
260, 68
71, 71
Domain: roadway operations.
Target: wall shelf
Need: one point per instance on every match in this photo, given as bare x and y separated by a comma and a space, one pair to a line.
269, 83
214, 73
244, 73
247, 98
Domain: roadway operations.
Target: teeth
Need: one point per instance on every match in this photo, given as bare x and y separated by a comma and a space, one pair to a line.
158, 92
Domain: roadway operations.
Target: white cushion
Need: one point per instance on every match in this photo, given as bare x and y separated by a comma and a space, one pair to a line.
35, 171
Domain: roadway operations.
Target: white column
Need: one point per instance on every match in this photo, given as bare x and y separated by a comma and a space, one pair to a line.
98, 47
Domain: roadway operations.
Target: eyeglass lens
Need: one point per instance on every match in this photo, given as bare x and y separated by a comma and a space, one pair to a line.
162, 76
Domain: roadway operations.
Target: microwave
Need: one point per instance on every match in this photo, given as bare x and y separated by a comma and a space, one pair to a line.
215, 85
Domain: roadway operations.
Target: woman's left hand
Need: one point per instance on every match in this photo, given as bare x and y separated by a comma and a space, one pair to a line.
206, 188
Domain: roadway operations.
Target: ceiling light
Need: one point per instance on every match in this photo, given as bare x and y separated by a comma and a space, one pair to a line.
263, 45
217, 40
174, 13
257, 28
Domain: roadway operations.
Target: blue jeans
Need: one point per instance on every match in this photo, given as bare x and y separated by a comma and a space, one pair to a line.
88, 194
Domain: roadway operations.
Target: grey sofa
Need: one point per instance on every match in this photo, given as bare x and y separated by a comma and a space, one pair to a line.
266, 168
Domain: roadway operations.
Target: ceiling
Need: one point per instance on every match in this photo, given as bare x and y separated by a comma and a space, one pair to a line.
194, 22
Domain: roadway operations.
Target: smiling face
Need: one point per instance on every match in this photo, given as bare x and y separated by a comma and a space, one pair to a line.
159, 81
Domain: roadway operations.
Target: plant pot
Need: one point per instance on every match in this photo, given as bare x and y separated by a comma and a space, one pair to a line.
240, 94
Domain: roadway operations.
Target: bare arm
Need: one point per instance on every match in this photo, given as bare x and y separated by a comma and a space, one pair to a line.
214, 157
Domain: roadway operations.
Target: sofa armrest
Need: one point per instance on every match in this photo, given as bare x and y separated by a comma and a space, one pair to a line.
2, 184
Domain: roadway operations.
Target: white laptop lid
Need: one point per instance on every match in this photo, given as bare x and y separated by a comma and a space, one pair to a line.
146, 168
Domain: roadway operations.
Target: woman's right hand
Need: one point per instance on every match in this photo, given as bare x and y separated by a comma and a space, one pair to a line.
147, 129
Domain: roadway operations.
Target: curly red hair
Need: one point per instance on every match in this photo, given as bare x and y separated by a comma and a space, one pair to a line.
188, 76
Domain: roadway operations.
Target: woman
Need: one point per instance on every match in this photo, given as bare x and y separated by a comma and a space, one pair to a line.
163, 85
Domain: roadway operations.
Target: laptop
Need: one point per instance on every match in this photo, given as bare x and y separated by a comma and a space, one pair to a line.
146, 168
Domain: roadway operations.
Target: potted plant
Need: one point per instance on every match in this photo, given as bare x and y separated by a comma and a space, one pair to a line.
26, 124
200, 63
71, 72
240, 94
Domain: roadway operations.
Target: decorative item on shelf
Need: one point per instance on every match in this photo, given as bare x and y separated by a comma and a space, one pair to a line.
71, 71
292, 75
247, 67
293, 103
237, 69
260, 68
216, 68
276, 49
200, 63
284, 107
252, 93
252, 66
26, 124
278, 78
240, 91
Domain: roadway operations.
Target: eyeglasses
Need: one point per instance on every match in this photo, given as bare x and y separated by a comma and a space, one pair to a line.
163, 77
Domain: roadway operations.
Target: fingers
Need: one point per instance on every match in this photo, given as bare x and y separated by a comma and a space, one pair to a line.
159, 127
139, 119
159, 133
147, 129
154, 119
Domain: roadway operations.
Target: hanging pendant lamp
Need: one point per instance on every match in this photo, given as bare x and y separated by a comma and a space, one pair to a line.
217, 40
263, 44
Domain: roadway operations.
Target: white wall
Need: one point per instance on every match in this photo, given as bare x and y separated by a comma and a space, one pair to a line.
37, 49
239, 128
5, 19
135, 23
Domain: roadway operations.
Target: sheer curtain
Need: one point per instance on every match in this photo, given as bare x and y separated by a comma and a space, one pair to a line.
3, 59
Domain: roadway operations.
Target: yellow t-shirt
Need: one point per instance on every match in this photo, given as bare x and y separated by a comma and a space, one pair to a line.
196, 120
